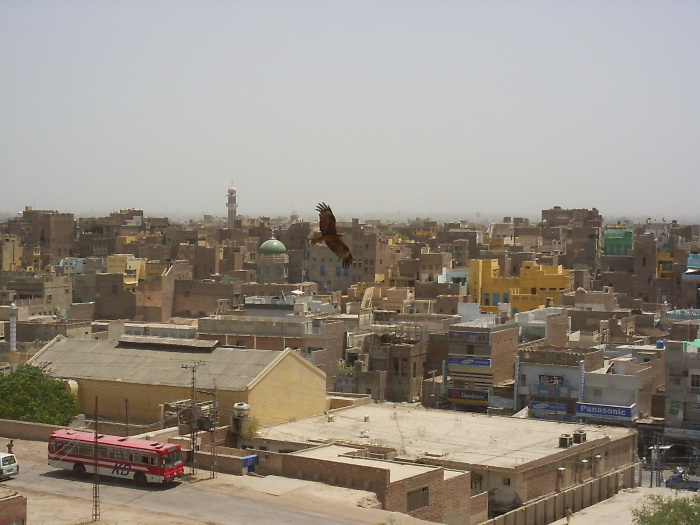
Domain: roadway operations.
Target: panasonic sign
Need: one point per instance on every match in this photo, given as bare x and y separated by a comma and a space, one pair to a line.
591, 410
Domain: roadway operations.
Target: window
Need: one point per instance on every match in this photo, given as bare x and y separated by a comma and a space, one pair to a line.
487, 299
506, 297
417, 499
322, 270
496, 299
506, 481
694, 380
48, 299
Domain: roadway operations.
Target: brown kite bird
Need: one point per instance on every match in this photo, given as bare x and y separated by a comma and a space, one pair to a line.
330, 235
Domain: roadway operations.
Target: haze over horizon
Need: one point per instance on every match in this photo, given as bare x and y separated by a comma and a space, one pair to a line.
381, 109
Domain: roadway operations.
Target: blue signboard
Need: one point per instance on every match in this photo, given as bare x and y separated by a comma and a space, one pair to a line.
606, 411
544, 407
469, 361
545, 390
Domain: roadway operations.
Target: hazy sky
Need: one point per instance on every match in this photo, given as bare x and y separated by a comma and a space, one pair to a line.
423, 108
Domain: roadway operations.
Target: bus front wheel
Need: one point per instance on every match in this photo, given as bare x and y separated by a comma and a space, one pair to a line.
140, 479
79, 470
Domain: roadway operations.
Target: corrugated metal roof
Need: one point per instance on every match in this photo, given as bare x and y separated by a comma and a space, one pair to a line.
225, 368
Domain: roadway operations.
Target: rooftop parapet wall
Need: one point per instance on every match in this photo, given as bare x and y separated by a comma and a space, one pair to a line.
593, 358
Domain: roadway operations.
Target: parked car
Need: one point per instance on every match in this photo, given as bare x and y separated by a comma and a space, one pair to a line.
9, 466
680, 480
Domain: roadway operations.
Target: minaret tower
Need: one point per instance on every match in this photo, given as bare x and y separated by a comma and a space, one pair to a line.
231, 205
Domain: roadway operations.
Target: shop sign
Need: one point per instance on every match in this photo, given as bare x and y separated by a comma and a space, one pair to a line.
546, 408
480, 362
478, 397
592, 410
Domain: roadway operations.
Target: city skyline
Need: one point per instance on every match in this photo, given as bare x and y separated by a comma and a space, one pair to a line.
448, 110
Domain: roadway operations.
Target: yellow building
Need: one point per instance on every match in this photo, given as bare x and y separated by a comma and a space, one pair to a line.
665, 265
536, 286
133, 268
148, 372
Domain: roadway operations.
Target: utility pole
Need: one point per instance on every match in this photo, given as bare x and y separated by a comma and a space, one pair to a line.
213, 433
193, 413
556, 399
96, 476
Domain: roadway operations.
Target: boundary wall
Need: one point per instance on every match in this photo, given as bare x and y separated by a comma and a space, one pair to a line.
553, 507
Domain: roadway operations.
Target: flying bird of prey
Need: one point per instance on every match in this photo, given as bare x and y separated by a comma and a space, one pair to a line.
330, 235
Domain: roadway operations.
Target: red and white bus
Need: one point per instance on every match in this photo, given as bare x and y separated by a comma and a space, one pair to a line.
142, 460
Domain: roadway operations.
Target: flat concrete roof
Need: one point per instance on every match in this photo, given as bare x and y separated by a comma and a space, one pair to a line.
397, 471
463, 437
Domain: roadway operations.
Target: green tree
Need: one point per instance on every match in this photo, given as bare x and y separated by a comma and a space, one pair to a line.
30, 395
677, 509
250, 428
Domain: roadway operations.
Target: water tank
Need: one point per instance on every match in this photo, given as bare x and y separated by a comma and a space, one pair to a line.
241, 409
659, 344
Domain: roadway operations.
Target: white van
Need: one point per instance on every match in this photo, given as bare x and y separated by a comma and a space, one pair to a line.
8, 465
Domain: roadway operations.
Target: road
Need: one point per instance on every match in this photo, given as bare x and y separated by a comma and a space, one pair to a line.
55, 497
190, 500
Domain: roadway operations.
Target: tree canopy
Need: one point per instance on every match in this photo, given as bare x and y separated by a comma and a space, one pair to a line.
677, 509
29, 394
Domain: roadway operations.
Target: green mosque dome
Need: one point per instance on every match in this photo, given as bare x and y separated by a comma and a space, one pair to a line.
272, 247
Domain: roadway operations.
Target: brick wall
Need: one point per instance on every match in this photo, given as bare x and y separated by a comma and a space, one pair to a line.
13, 507
553, 507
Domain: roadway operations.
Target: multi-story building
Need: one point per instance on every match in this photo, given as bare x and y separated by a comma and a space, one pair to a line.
372, 253
387, 364
132, 268
43, 294
10, 253
617, 241
690, 283
52, 232
683, 391
537, 285
582, 217
481, 358
549, 379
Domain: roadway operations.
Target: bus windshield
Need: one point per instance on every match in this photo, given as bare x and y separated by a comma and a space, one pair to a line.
172, 458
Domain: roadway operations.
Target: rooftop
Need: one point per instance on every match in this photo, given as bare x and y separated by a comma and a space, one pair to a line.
132, 361
416, 432
397, 471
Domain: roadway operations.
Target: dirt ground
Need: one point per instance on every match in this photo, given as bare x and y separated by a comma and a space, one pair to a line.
51, 509
618, 510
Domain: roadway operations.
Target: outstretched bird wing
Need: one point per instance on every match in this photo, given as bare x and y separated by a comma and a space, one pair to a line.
341, 249
326, 219
329, 234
